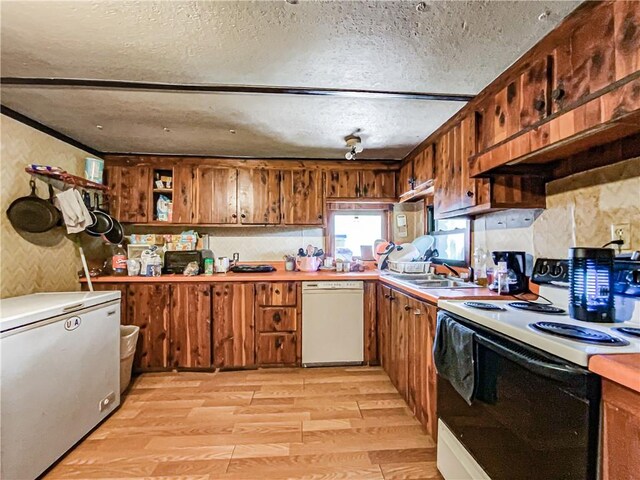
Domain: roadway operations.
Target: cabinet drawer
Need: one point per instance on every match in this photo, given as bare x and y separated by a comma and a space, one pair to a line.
276, 294
277, 348
276, 319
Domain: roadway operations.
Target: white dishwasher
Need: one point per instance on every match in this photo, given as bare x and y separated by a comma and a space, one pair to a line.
332, 323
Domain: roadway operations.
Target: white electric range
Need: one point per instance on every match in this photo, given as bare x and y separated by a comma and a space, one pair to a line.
519, 324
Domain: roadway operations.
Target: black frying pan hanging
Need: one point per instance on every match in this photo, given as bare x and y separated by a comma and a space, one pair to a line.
103, 224
33, 214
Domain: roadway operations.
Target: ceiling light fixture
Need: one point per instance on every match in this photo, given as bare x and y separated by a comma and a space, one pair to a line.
544, 15
354, 143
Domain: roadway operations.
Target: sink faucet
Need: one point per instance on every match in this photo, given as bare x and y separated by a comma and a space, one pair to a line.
455, 274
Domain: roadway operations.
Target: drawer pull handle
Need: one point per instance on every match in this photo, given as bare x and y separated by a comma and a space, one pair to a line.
277, 318
279, 343
112, 312
71, 308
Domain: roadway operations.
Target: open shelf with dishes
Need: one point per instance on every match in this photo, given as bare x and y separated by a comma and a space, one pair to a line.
162, 194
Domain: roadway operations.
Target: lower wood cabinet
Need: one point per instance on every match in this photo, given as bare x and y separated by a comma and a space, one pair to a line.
233, 325
621, 432
406, 330
277, 349
190, 329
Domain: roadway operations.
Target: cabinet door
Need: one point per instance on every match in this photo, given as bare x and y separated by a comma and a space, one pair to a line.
183, 195
216, 195
417, 354
122, 287
148, 307
506, 114
130, 189
259, 196
405, 178
190, 337
302, 197
626, 18
384, 327
534, 103
377, 184
233, 325
429, 393
400, 307
423, 165
586, 62
276, 294
276, 319
370, 324
276, 349
343, 184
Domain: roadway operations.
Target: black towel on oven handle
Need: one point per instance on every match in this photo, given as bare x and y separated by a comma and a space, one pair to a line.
454, 355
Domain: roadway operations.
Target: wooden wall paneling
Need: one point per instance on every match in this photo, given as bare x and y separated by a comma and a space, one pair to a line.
276, 293
259, 196
383, 302
190, 337
276, 349
302, 197
342, 184
621, 432
626, 20
370, 324
216, 195
377, 184
233, 325
148, 307
183, 195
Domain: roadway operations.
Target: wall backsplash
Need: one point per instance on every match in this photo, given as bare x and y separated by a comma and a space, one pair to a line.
580, 211
253, 243
34, 262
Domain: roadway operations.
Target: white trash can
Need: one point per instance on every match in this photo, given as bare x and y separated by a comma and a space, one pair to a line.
128, 340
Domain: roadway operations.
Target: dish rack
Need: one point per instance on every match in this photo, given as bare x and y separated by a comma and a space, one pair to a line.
409, 267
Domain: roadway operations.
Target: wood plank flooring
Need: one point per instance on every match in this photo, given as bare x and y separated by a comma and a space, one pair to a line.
307, 424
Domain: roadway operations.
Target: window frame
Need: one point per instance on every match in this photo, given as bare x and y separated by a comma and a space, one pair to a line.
353, 209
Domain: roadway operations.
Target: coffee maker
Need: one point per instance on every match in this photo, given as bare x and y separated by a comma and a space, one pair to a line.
515, 278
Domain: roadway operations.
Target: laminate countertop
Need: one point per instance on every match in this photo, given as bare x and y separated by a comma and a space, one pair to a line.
431, 295
623, 369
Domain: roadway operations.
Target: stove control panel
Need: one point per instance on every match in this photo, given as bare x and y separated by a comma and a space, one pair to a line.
551, 271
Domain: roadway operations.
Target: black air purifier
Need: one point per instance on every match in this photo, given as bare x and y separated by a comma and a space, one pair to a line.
591, 284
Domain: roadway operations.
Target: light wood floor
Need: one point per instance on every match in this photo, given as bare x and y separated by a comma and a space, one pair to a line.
329, 423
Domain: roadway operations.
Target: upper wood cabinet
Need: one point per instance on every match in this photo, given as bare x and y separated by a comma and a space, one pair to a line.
423, 165
404, 180
302, 202
361, 184
259, 196
216, 195
184, 187
130, 188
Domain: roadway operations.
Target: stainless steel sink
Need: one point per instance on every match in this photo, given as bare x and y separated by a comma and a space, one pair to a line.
437, 281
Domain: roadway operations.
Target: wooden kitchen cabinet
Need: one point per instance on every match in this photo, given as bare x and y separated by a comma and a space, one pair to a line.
383, 302
277, 349
130, 188
400, 313
216, 195
371, 324
277, 294
417, 356
276, 319
149, 307
259, 196
302, 198
404, 180
233, 325
423, 165
184, 187
621, 432
360, 184
190, 332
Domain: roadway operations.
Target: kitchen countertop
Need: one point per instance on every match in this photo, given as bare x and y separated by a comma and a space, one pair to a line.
431, 295
623, 369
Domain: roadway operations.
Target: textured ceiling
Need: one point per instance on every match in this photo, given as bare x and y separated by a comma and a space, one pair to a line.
450, 47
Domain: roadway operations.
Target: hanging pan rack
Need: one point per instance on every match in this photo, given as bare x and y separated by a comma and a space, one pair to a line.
62, 180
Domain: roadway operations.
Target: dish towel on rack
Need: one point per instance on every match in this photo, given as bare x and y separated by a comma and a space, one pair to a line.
454, 355
74, 212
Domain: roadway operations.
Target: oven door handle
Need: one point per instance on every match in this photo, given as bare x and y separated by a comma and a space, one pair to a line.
533, 362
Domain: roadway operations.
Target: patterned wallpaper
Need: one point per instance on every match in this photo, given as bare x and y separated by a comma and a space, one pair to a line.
580, 211
41, 262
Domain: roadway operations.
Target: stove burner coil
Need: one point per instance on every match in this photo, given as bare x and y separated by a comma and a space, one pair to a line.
578, 333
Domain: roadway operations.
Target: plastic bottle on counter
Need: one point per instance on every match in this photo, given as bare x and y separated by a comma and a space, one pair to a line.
119, 261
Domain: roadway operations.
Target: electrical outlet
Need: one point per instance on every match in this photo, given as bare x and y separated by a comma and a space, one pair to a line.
622, 231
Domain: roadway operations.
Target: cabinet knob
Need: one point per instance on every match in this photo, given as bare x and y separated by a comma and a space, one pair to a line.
558, 94
277, 318
233, 215
243, 215
387, 296
407, 308
279, 343
539, 105
320, 216
470, 193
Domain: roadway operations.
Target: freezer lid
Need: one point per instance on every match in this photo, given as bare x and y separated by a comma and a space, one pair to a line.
16, 312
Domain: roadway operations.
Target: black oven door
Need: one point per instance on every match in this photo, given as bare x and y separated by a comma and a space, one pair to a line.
533, 416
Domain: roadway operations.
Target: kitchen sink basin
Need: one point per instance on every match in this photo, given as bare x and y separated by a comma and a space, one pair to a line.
434, 281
